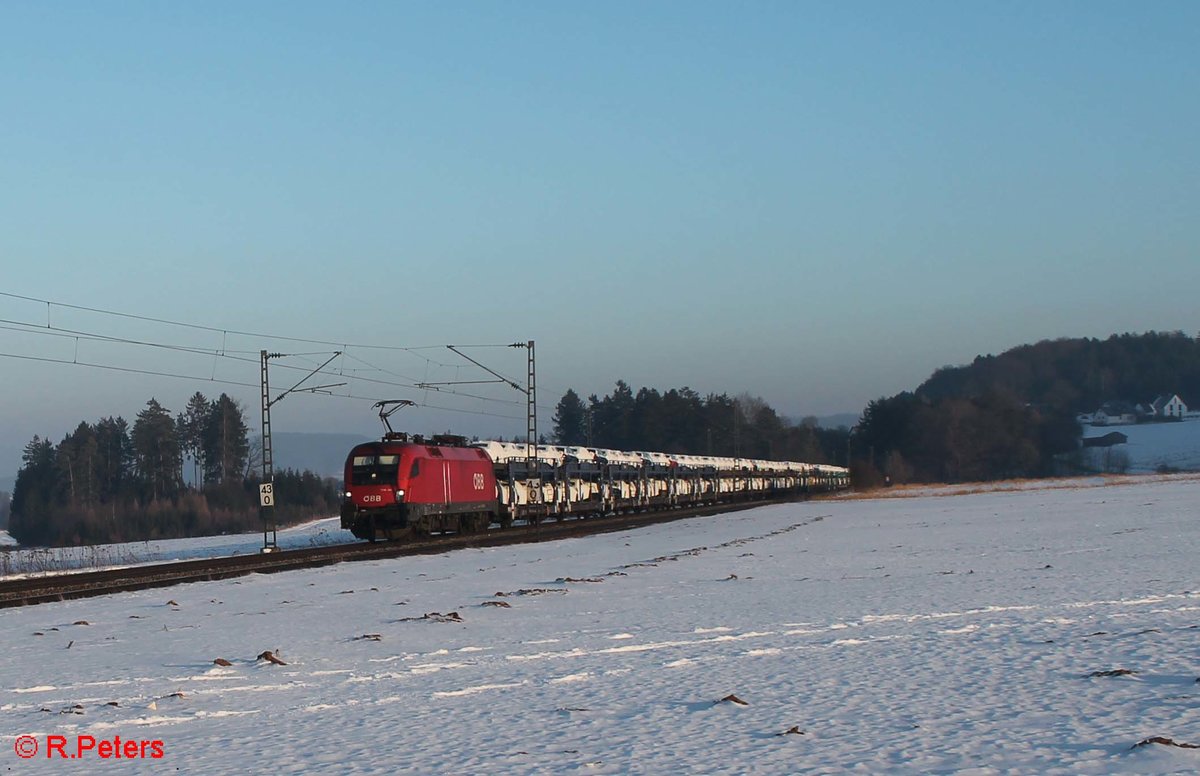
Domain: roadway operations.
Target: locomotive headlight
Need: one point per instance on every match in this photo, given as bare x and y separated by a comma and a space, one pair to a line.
349, 494
399, 492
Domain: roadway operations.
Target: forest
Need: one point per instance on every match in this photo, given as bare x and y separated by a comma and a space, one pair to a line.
1013, 415
681, 421
999, 417
165, 476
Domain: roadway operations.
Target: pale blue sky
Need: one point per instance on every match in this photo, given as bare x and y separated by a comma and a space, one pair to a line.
819, 203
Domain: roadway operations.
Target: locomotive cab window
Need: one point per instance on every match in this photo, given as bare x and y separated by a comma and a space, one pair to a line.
374, 469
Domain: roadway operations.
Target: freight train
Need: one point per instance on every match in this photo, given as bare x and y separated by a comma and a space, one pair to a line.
401, 485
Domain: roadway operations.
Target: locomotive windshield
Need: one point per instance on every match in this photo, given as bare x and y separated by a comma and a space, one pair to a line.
374, 469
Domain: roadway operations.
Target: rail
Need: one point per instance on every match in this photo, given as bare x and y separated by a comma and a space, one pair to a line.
60, 587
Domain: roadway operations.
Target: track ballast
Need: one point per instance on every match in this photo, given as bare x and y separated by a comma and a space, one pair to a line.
59, 587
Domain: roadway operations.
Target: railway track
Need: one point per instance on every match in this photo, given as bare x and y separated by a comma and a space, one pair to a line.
60, 587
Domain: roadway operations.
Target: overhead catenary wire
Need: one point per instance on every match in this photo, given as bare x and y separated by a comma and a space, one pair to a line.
132, 370
233, 355
221, 381
227, 330
38, 328
50, 328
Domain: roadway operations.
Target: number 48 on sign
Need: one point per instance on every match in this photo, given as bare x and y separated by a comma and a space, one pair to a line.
266, 494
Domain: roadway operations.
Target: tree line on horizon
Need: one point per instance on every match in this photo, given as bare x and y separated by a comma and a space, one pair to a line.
1013, 415
1000, 417
111, 482
681, 421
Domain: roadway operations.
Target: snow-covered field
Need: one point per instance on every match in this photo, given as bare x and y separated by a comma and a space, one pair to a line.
1153, 445
930, 634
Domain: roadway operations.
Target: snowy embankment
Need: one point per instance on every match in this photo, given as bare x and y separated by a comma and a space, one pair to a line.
52, 560
1042, 631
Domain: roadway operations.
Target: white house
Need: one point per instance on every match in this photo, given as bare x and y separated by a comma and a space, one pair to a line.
1169, 407
1114, 414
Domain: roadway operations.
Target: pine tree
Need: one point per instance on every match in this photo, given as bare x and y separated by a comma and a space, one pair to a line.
226, 444
77, 458
570, 419
34, 494
114, 456
191, 432
156, 451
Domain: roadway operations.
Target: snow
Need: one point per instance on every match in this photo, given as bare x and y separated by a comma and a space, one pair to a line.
936, 633
34, 561
1153, 445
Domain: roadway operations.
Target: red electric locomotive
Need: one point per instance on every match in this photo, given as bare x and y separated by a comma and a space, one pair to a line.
399, 486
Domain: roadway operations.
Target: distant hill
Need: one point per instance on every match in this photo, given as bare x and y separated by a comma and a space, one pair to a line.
846, 419
1013, 415
323, 454
1078, 375
836, 421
